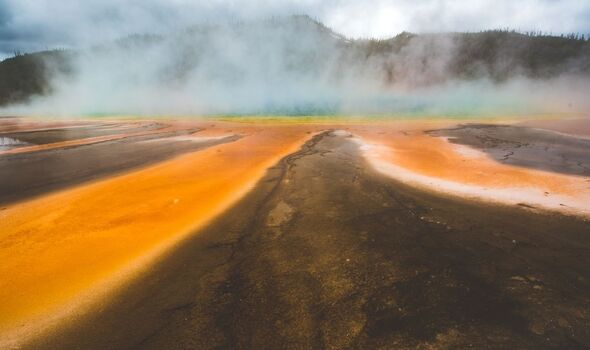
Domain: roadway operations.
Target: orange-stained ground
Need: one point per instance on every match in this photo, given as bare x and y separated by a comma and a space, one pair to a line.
55, 248
89, 140
408, 147
21, 124
434, 156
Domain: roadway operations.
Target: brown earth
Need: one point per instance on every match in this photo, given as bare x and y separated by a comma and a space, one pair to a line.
326, 253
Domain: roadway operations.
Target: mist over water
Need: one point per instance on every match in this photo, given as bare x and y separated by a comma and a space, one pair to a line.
293, 66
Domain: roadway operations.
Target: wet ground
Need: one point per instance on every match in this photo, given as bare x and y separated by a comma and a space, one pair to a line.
326, 253
30, 174
59, 134
525, 146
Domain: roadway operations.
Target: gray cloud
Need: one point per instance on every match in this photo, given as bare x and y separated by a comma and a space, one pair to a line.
33, 25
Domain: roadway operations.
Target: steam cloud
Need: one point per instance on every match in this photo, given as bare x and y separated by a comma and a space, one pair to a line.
292, 65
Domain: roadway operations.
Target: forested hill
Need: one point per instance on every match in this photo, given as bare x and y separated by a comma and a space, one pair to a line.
306, 48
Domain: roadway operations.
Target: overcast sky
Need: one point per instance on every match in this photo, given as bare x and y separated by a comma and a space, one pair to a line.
29, 25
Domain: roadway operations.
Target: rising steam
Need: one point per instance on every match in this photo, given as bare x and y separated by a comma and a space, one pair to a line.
294, 65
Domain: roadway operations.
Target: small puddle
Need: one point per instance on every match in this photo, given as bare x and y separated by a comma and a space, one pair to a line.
7, 143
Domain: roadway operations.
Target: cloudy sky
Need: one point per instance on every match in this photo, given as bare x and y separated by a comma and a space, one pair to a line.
29, 25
